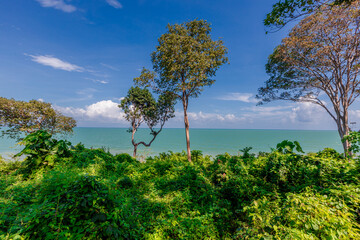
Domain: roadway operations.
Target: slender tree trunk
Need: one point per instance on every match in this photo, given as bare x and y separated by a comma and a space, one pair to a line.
186, 121
343, 129
346, 131
133, 138
135, 149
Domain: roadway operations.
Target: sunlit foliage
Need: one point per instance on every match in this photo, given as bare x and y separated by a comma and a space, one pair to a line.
92, 194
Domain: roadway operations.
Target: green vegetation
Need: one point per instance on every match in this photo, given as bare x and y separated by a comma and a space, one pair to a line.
20, 117
319, 63
70, 192
285, 11
140, 106
354, 140
185, 61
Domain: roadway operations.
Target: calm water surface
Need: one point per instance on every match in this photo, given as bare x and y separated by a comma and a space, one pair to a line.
210, 141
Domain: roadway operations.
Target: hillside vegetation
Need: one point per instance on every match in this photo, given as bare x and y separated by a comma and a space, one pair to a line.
62, 191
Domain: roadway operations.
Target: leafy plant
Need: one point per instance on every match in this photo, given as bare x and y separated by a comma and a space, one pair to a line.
92, 194
287, 146
42, 151
246, 152
354, 139
196, 154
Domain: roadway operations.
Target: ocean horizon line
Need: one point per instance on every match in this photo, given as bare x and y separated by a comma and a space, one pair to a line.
262, 129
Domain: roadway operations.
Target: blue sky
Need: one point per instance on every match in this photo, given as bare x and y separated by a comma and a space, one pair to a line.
82, 56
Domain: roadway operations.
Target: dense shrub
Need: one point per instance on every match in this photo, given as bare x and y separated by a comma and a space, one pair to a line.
42, 151
92, 194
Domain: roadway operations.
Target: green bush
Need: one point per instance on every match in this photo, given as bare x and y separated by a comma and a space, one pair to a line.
42, 151
92, 194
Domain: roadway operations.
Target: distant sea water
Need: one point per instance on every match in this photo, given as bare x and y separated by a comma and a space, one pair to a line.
209, 141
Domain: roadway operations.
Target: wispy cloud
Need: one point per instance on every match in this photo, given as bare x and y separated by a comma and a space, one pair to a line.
114, 3
87, 93
55, 63
242, 97
202, 117
109, 66
97, 80
58, 4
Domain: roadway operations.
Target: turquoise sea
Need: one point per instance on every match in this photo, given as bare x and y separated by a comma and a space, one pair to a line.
210, 141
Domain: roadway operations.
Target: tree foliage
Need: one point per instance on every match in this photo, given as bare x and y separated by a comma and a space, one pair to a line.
140, 107
185, 61
318, 61
287, 146
92, 194
19, 117
285, 11
354, 139
42, 151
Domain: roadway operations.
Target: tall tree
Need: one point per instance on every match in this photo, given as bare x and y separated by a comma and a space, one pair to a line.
319, 60
140, 107
186, 60
285, 11
27, 117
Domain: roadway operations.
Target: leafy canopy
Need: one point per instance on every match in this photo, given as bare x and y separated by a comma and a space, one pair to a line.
354, 138
319, 59
185, 60
26, 117
285, 11
140, 107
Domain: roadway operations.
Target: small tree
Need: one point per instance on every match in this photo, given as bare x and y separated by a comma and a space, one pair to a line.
185, 60
140, 107
28, 117
319, 60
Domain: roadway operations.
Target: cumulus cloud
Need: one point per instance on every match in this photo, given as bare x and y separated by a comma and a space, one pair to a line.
242, 97
57, 4
308, 112
55, 63
292, 116
101, 111
114, 3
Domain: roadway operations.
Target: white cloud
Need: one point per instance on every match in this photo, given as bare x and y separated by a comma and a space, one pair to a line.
202, 117
308, 112
242, 97
102, 111
98, 81
57, 4
101, 81
109, 67
114, 3
55, 63
262, 112
292, 116
86, 93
